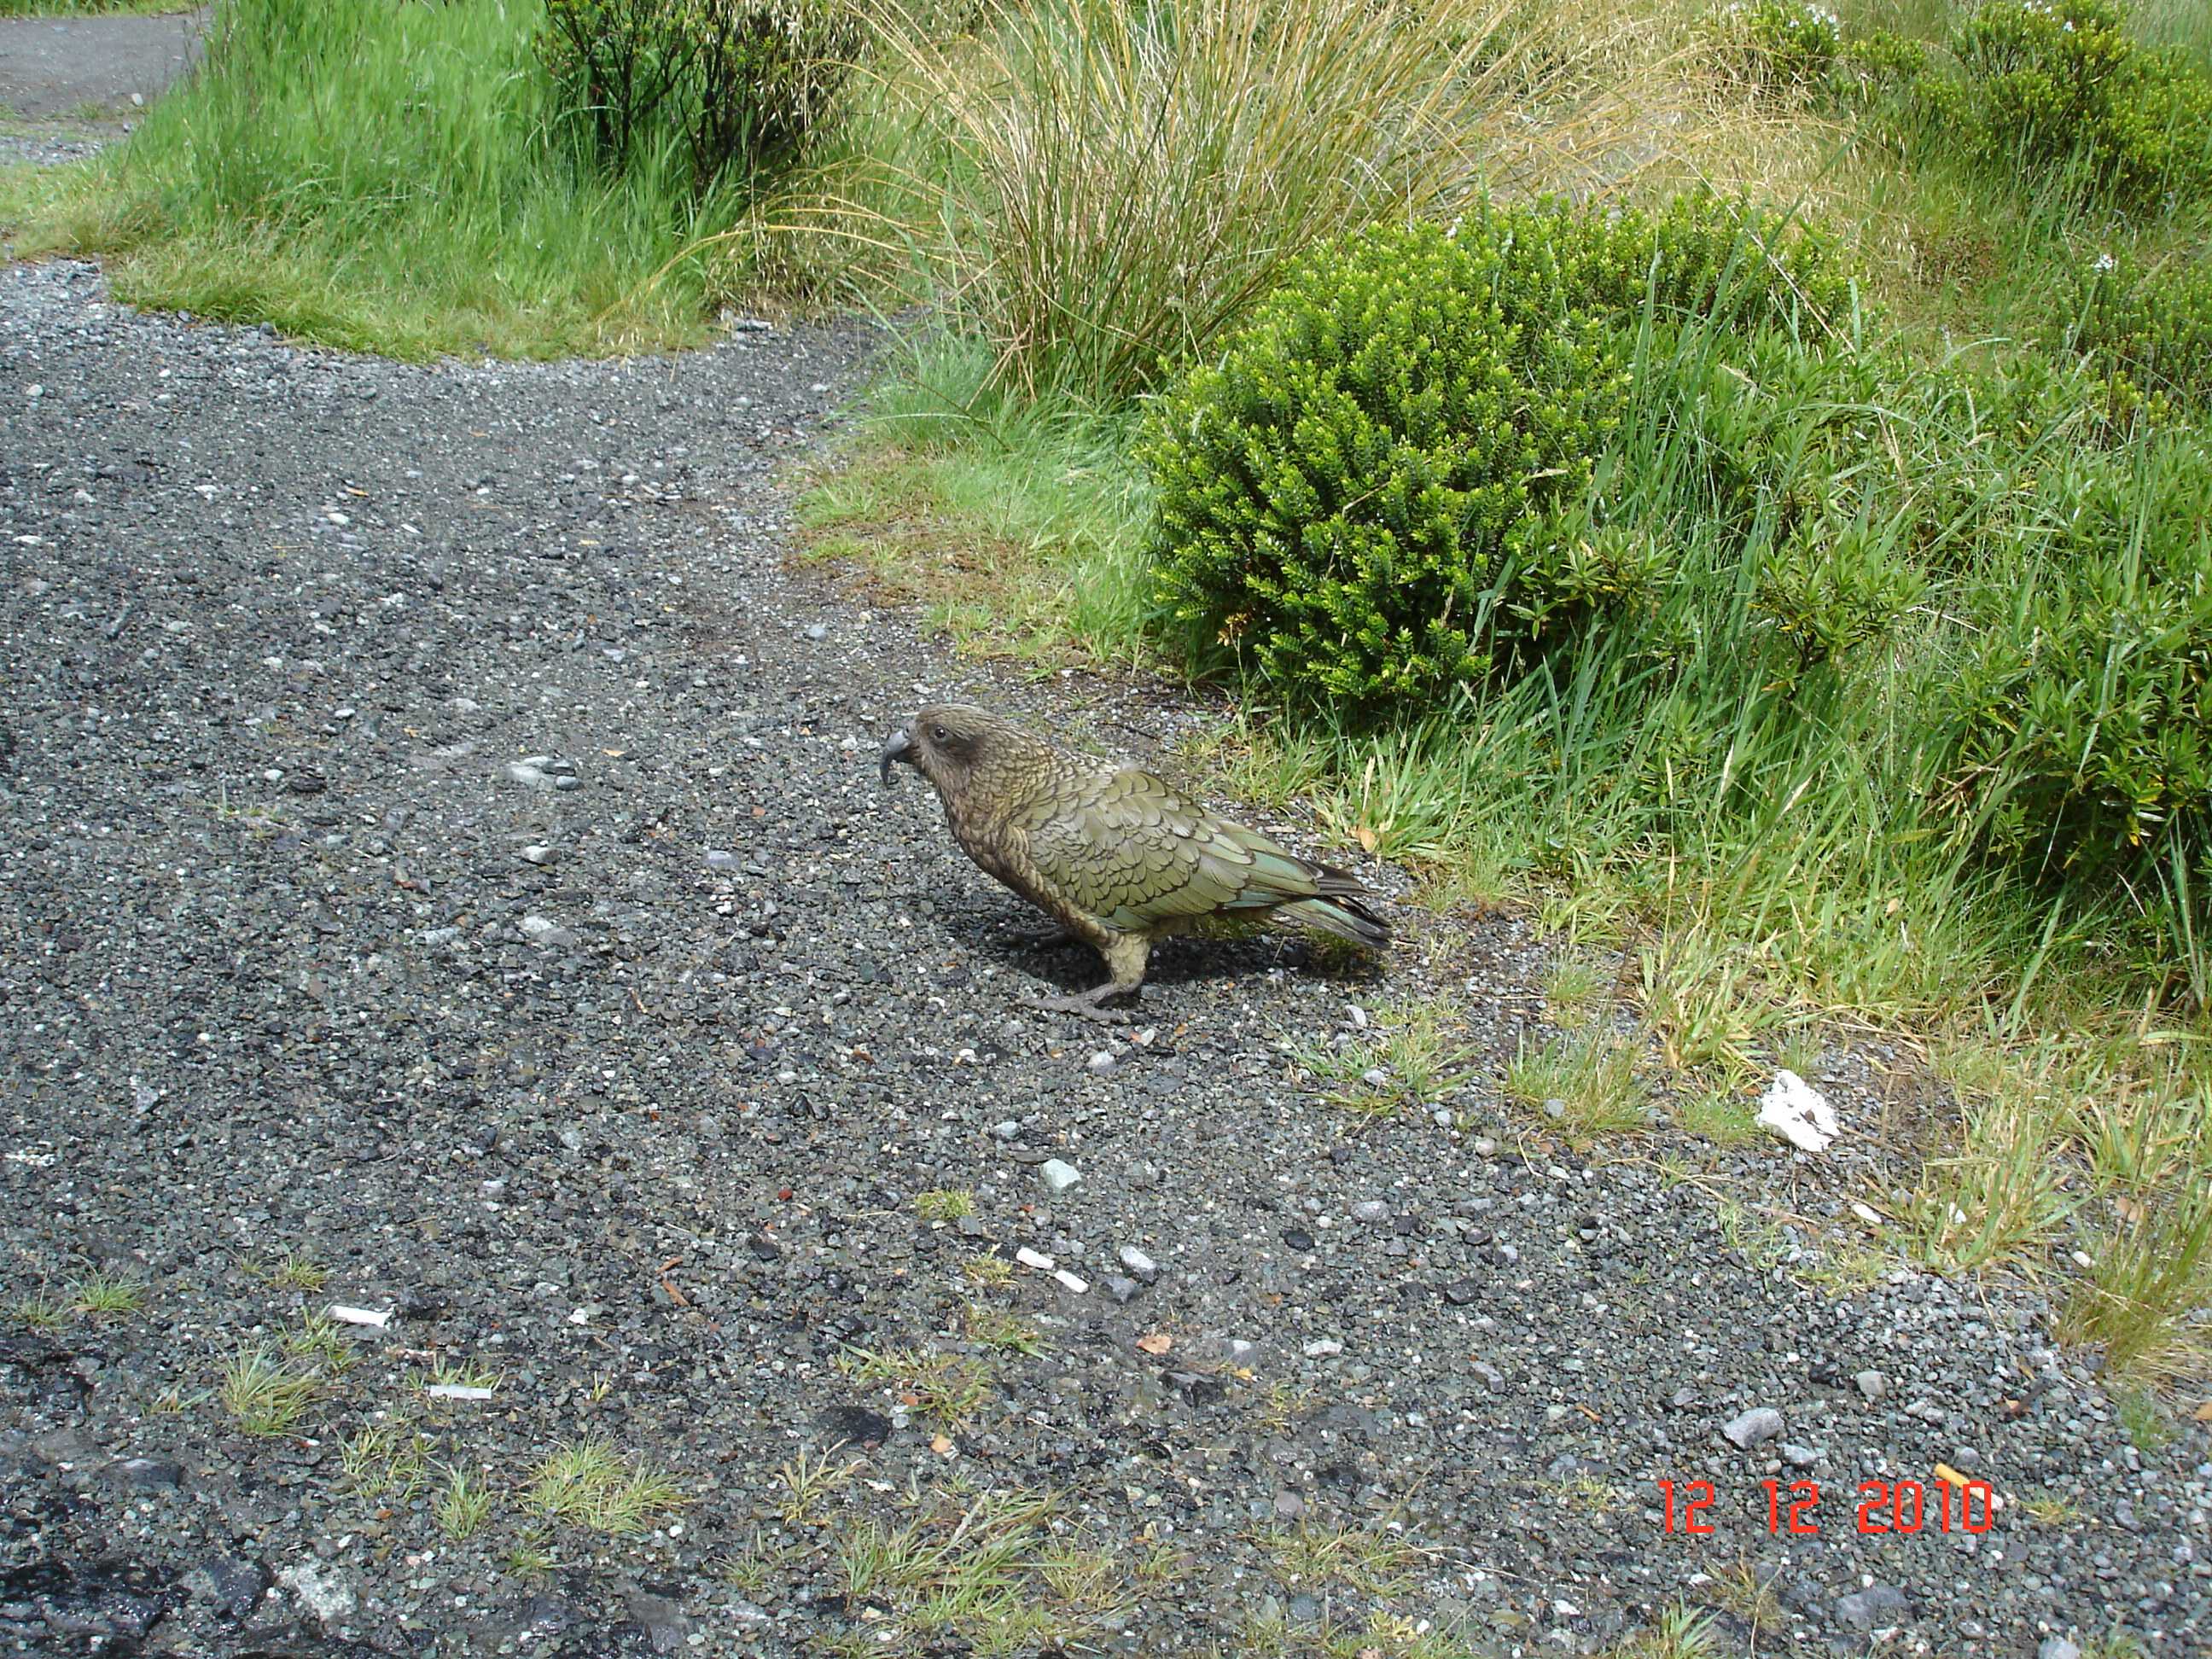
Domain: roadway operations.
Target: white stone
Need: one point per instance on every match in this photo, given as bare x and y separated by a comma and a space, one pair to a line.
320, 1590
1799, 1113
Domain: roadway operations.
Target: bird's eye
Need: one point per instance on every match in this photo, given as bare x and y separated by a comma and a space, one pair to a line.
939, 734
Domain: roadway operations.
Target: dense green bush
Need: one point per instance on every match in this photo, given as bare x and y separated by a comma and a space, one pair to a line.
2044, 83
738, 84
2148, 333
1775, 44
2081, 716
1388, 475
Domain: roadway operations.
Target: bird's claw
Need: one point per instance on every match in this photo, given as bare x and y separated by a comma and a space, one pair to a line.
1091, 1006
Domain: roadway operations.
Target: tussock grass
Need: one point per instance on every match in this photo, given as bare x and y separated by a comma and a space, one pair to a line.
948, 1390
1592, 1079
1116, 184
265, 1394
591, 1485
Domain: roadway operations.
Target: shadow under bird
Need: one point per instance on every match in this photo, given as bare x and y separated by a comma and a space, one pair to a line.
1116, 855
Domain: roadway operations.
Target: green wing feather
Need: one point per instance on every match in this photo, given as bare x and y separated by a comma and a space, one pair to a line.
1125, 847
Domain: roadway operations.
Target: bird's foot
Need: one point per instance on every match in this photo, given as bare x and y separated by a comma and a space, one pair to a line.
1089, 1005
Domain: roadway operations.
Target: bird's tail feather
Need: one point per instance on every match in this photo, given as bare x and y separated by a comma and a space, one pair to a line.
1342, 916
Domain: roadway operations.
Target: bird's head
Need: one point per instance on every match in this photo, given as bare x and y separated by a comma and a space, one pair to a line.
948, 743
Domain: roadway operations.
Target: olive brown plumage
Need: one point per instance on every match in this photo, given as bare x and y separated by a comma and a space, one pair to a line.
1117, 856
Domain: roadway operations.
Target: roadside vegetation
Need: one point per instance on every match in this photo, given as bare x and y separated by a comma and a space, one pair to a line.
1730, 479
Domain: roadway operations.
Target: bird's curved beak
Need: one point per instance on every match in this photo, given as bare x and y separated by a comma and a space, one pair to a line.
898, 746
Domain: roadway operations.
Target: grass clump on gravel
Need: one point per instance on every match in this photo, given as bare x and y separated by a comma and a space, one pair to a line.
463, 1505
944, 1203
266, 1393
591, 1485
949, 1389
109, 1295
1582, 1088
984, 1567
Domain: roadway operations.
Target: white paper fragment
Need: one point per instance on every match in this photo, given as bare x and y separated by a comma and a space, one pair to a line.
1038, 1259
1799, 1113
1078, 1286
369, 1316
1866, 1213
456, 1391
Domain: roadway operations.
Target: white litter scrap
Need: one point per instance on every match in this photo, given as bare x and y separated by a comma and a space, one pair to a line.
456, 1391
1799, 1113
1038, 1259
1079, 1285
367, 1316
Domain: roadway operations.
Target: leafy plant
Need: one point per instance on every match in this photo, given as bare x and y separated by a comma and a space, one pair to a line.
2149, 333
1779, 45
2081, 711
2041, 84
1385, 475
734, 83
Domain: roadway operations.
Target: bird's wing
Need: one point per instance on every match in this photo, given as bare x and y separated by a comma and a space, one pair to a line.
1125, 847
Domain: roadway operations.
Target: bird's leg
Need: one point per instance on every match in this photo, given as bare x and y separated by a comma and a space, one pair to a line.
1125, 955
1089, 1005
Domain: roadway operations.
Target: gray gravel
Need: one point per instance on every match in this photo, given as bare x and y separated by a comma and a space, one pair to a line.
442, 843
100, 67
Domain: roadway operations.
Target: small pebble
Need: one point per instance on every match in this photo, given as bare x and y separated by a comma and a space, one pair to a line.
1755, 1427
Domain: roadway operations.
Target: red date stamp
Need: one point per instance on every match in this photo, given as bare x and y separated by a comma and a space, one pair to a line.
1895, 1506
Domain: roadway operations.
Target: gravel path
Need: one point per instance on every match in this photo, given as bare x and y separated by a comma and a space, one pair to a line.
445, 872
98, 68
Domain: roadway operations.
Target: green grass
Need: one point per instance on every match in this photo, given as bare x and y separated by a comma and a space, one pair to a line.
113, 1296
265, 1394
385, 1460
1592, 1081
944, 1203
1773, 843
1372, 1560
463, 1505
1410, 1055
410, 196
948, 1390
591, 1485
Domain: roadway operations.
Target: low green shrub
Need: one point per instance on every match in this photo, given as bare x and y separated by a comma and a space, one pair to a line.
2047, 84
2081, 713
741, 83
1789, 45
1387, 476
2148, 333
